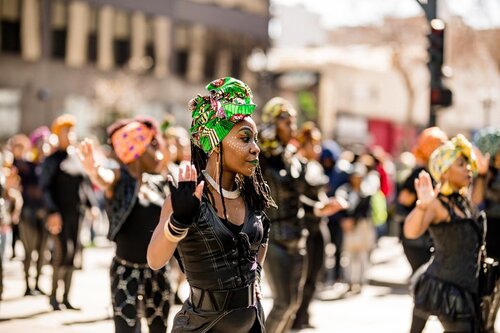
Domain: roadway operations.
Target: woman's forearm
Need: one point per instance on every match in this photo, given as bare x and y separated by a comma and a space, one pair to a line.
415, 223
161, 249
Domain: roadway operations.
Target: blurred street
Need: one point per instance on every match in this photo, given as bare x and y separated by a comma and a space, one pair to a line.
382, 306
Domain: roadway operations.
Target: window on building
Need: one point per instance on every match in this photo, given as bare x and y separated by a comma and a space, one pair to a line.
210, 55
150, 47
121, 43
59, 25
181, 47
10, 113
10, 26
92, 42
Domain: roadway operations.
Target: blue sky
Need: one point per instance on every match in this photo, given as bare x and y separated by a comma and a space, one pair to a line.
480, 14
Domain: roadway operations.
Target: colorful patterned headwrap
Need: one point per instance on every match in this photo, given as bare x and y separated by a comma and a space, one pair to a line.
66, 120
229, 101
131, 141
274, 108
445, 155
427, 142
488, 140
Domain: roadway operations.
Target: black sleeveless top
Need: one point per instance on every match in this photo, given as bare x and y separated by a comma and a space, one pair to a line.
214, 258
457, 246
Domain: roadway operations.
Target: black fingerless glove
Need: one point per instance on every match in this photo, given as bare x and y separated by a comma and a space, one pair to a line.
184, 203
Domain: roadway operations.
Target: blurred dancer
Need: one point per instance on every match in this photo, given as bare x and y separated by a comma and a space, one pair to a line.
448, 288
309, 138
417, 250
134, 193
32, 226
19, 145
486, 193
61, 179
286, 264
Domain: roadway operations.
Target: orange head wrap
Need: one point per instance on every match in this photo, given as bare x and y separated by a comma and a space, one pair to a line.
66, 120
427, 142
131, 141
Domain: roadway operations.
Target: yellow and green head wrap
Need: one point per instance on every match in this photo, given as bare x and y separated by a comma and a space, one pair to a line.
228, 102
445, 155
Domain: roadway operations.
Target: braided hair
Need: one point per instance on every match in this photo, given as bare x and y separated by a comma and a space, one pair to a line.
255, 189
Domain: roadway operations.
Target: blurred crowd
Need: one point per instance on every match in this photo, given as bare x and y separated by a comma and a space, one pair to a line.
50, 205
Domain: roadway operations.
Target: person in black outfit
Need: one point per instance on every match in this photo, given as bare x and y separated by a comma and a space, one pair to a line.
134, 195
338, 176
417, 251
32, 226
19, 145
448, 288
218, 231
486, 193
286, 264
309, 138
61, 180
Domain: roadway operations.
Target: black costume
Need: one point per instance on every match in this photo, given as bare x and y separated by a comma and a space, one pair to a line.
61, 181
133, 213
449, 286
286, 262
220, 263
32, 228
315, 182
492, 210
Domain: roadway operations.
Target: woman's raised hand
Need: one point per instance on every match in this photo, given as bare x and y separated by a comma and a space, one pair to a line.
86, 155
426, 193
186, 196
483, 162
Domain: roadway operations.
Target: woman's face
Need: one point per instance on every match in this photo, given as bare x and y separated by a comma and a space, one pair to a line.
240, 149
285, 127
151, 160
459, 174
66, 136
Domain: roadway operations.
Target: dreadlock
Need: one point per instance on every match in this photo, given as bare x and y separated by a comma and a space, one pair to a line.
255, 189
220, 182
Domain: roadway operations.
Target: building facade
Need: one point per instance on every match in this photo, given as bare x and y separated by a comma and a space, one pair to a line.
102, 59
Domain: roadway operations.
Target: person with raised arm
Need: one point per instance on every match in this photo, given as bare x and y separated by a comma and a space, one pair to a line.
448, 288
218, 231
134, 195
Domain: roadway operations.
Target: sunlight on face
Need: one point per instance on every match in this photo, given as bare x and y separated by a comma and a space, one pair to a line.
240, 149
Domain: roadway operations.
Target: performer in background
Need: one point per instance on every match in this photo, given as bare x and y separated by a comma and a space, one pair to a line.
134, 195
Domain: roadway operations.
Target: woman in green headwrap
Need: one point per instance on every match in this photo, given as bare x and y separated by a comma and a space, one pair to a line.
449, 286
218, 231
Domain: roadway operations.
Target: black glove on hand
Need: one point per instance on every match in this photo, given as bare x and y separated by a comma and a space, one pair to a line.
184, 204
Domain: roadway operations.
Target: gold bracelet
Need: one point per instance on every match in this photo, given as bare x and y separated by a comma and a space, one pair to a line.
169, 236
178, 230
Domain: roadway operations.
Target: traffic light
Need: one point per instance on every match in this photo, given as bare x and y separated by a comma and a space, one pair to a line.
441, 96
436, 43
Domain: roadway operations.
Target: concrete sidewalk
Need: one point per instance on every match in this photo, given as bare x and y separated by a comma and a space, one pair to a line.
382, 306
